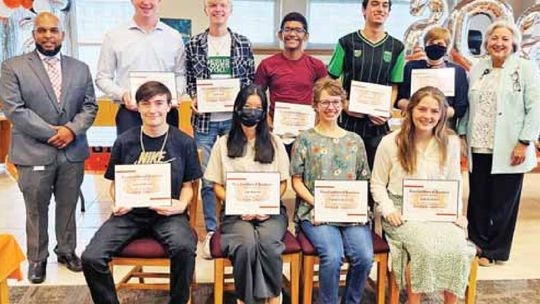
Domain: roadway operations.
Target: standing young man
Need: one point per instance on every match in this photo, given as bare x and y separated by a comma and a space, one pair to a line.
155, 142
369, 55
143, 44
290, 75
215, 53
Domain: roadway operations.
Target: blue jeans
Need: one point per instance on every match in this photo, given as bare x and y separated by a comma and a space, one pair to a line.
333, 243
205, 142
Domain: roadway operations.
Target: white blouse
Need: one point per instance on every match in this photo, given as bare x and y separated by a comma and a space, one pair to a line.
388, 174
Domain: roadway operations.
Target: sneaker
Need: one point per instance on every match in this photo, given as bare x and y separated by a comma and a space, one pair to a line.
206, 253
486, 262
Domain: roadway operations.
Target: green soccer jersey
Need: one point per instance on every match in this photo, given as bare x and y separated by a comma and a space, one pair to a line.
356, 58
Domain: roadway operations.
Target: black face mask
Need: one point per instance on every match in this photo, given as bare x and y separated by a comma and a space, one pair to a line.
48, 53
250, 117
435, 51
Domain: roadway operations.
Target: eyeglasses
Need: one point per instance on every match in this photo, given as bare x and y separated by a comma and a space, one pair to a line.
326, 104
297, 30
247, 107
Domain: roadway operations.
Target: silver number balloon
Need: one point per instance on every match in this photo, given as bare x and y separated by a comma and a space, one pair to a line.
530, 45
458, 22
438, 13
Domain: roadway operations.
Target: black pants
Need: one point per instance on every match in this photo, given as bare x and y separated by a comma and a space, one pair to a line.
126, 119
493, 207
173, 231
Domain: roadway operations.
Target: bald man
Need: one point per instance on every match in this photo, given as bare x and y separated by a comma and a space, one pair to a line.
49, 98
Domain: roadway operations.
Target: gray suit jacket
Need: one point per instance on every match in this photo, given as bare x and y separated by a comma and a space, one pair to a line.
30, 104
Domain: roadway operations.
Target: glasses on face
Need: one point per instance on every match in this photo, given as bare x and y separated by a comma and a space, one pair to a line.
325, 104
297, 30
248, 107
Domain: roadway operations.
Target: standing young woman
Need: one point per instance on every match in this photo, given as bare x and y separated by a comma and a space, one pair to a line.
328, 152
427, 256
251, 241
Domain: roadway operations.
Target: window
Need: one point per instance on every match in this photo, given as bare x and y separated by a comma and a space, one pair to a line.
331, 19
255, 19
93, 19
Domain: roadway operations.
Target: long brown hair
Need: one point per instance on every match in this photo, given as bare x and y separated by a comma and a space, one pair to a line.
406, 139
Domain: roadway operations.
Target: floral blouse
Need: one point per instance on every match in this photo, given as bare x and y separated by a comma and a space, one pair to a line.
319, 157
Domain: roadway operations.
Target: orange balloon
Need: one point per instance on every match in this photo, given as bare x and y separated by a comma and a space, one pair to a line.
12, 3
27, 3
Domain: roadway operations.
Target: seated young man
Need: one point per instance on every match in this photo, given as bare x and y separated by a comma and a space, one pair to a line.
154, 143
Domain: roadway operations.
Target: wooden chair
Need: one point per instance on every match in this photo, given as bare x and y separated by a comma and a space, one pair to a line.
147, 251
291, 255
311, 258
470, 292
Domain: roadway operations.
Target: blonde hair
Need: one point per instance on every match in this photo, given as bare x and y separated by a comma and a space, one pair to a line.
332, 87
516, 36
206, 2
406, 138
437, 33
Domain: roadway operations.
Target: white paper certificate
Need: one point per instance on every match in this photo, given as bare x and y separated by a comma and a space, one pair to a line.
136, 79
341, 201
291, 119
430, 200
370, 98
443, 79
252, 193
142, 185
217, 95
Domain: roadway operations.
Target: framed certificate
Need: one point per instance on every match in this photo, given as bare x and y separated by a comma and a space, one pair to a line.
341, 201
136, 79
442, 79
216, 95
142, 185
252, 193
369, 98
430, 200
291, 119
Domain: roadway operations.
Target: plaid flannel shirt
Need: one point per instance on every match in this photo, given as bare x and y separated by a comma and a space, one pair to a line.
242, 67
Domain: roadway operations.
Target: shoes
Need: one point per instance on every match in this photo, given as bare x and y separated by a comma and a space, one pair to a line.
206, 253
486, 262
71, 261
37, 272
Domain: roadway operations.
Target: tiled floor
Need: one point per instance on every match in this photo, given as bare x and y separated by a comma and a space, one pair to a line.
524, 263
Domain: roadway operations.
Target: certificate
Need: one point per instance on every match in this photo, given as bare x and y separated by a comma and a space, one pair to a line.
342, 201
252, 193
430, 200
291, 119
370, 98
443, 79
136, 79
142, 185
217, 95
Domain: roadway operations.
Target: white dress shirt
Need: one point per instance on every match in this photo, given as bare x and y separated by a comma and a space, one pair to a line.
129, 48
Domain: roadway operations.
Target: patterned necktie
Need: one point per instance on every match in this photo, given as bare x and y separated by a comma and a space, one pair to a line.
53, 69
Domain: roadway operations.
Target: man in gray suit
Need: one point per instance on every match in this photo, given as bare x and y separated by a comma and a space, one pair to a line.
49, 98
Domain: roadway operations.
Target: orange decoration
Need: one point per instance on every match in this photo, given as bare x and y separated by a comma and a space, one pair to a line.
27, 3
12, 3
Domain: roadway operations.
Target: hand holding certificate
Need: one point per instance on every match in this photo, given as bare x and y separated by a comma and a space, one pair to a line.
341, 201
252, 193
369, 98
136, 79
137, 186
216, 95
292, 119
442, 79
430, 200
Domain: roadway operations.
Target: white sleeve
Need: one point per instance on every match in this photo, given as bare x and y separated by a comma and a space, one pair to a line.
106, 70
454, 167
380, 177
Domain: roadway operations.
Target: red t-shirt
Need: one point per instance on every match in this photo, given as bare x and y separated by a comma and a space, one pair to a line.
289, 80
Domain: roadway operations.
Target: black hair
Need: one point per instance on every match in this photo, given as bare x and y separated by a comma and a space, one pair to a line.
237, 141
294, 16
150, 89
365, 3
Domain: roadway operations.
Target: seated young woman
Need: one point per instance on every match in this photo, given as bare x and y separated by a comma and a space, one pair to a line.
427, 257
328, 152
253, 242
